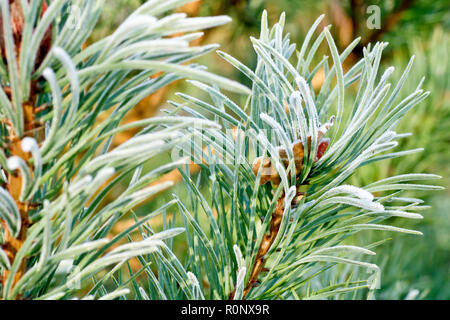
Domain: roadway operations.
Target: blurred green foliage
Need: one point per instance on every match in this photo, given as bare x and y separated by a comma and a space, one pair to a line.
411, 263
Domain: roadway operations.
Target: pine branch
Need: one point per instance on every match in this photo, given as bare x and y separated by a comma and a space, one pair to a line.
58, 163
275, 152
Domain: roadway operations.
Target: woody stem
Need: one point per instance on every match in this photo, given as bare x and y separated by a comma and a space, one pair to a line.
11, 245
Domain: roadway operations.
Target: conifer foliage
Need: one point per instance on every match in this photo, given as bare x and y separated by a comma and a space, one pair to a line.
278, 204
56, 161
268, 215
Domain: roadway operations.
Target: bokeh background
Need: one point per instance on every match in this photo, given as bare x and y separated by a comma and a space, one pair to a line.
413, 267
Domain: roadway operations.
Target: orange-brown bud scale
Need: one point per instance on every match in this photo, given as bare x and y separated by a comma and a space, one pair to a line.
11, 245
269, 173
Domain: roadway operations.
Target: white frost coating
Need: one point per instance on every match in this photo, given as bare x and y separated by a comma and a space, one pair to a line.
295, 98
352, 201
387, 74
164, 45
14, 162
282, 173
129, 253
191, 36
149, 138
29, 144
59, 53
50, 76
412, 294
115, 294
239, 258
65, 59
166, 234
193, 279
300, 81
3, 175
404, 214
137, 246
240, 283
65, 266
302, 84
386, 137
47, 73
262, 139
104, 174
199, 23
241, 275
405, 199
377, 206
343, 248
290, 194
146, 7
349, 189
138, 21
4, 260
271, 121
68, 64
134, 148
403, 135
390, 69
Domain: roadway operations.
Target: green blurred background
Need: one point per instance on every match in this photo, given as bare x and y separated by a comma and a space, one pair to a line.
413, 267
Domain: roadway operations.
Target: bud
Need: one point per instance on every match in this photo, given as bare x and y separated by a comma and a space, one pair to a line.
269, 172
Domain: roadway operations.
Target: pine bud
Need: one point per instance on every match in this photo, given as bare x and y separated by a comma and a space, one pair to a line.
269, 172
323, 145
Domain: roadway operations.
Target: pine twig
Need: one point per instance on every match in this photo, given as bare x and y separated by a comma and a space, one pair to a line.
266, 243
